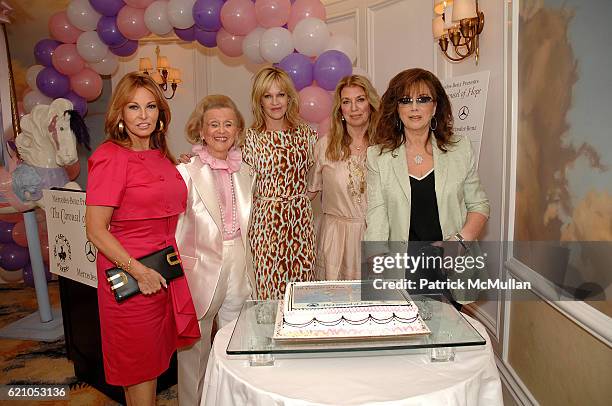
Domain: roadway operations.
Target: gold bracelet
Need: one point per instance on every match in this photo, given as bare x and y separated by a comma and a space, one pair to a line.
129, 264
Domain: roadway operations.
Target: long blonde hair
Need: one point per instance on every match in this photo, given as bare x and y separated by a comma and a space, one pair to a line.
262, 82
121, 97
338, 148
196, 120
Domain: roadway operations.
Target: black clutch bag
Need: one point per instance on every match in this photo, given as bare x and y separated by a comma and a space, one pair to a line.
166, 262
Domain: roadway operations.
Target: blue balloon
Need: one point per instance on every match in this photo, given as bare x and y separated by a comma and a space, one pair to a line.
28, 274
43, 51
206, 38
299, 68
13, 257
109, 32
107, 7
330, 67
79, 103
51, 83
126, 49
186, 34
207, 14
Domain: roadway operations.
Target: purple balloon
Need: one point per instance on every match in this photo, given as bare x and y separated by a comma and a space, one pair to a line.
109, 32
6, 232
330, 67
299, 68
186, 34
43, 51
28, 275
107, 8
126, 49
52, 83
13, 257
207, 14
206, 38
78, 102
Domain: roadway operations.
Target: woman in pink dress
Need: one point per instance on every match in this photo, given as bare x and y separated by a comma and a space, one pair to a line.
134, 198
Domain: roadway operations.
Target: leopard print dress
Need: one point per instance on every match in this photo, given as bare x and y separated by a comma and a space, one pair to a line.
281, 233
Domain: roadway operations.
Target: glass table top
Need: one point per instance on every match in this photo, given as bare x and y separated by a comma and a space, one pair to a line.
255, 328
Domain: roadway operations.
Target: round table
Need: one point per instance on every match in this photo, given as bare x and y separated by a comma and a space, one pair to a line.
408, 379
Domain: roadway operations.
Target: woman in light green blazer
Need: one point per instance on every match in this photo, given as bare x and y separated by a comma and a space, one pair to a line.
422, 180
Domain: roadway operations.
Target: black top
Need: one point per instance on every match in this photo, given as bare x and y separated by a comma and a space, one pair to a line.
424, 218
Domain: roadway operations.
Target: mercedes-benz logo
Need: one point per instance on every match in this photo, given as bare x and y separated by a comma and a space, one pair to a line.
91, 252
464, 112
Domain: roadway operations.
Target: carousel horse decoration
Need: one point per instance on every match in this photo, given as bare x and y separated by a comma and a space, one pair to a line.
46, 144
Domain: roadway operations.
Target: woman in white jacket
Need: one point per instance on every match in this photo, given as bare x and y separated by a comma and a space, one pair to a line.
212, 233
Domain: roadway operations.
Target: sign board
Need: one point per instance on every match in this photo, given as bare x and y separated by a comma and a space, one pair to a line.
468, 96
71, 254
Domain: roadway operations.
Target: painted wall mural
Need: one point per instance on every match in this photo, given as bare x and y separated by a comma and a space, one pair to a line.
564, 164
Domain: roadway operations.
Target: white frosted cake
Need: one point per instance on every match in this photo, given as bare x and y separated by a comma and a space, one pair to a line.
334, 310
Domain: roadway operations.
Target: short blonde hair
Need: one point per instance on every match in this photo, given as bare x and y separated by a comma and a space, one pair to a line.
196, 120
338, 148
262, 82
122, 96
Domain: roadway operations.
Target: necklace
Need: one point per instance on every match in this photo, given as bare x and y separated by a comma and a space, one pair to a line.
232, 230
418, 159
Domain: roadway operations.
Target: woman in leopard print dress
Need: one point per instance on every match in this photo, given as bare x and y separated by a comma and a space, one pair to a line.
279, 149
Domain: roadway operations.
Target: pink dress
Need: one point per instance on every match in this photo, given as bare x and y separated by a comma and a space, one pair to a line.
140, 334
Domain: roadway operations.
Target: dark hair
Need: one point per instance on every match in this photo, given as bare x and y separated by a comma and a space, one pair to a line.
388, 134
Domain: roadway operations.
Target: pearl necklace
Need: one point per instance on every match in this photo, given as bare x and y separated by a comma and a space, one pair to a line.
232, 230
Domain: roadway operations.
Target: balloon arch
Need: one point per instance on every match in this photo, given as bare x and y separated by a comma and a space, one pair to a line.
90, 35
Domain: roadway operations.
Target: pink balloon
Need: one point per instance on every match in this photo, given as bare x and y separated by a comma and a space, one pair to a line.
62, 30
87, 84
303, 9
229, 44
315, 104
138, 3
67, 60
272, 13
238, 16
131, 23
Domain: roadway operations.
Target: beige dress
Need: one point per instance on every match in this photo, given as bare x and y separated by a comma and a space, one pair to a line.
343, 192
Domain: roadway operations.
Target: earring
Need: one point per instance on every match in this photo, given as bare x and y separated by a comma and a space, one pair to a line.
399, 125
161, 126
342, 118
433, 123
121, 126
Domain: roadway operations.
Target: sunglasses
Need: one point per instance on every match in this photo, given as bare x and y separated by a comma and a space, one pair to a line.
406, 100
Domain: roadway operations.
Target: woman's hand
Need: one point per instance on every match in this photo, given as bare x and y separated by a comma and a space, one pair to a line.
185, 158
149, 281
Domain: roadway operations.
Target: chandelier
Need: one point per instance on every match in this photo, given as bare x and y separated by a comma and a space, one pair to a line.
164, 75
459, 22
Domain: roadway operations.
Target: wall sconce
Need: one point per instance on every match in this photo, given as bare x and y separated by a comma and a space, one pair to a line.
163, 74
461, 22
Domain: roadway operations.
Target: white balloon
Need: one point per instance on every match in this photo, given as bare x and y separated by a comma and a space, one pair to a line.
180, 13
33, 99
156, 18
31, 75
275, 44
344, 44
82, 15
107, 66
311, 36
90, 47
251, 44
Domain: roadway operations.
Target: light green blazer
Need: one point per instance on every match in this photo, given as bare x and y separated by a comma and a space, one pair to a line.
458, 191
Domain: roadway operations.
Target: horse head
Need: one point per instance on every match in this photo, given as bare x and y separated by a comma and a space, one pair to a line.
49, 135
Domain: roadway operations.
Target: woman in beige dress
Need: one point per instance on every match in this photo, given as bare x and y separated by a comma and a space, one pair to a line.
339, 173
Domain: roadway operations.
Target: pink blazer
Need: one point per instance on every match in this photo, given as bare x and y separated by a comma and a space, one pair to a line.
199, 233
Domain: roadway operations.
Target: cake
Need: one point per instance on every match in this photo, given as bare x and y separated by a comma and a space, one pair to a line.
335, 310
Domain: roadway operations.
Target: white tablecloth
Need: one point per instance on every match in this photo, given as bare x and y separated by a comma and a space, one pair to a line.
472, 379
